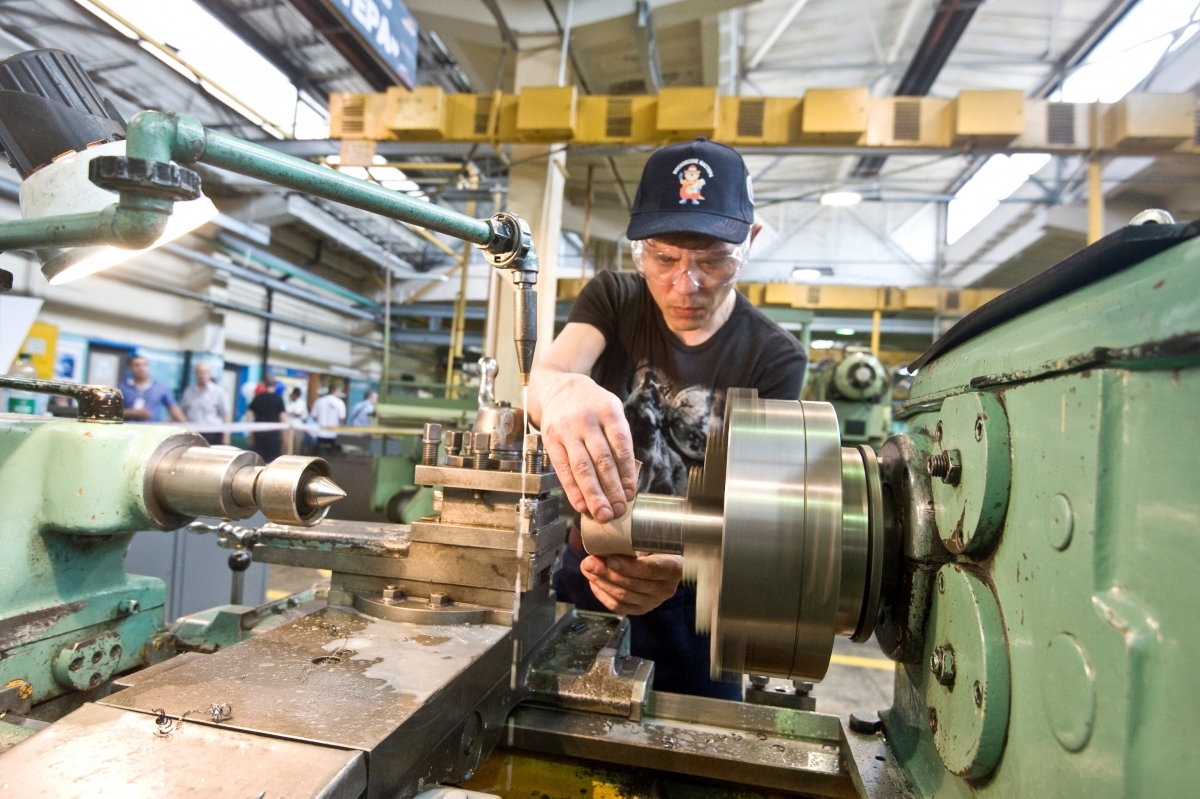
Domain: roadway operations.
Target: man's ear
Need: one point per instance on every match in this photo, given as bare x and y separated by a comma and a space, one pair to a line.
755, 229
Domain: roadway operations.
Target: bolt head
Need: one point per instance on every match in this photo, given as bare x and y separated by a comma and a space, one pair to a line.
438, 599
432, 432
393, 593
759, 680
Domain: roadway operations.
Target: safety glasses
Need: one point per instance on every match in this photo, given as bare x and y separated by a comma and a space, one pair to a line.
711, 268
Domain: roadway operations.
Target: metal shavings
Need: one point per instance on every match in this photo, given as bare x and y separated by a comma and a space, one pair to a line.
165, 725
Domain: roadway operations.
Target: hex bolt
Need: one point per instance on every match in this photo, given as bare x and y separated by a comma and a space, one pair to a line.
534, 453
481, 447
946, 465
803, 687
941, 663
438, 599
393, 593
759, 680
128, 606
865, 723
453, 439
430, 440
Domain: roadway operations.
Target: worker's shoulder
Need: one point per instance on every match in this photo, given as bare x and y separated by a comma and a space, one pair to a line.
615, 285
766, 332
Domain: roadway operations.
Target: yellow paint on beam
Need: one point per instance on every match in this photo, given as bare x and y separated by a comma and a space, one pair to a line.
861, 662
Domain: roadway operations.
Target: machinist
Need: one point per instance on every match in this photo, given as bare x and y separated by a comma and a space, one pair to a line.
638, 372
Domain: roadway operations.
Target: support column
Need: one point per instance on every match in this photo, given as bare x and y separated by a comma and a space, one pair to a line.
1095, 201
536, 183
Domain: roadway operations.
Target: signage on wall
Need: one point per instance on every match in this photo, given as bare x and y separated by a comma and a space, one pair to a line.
386, 27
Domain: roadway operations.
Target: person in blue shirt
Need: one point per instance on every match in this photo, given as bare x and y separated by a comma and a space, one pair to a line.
363, 412
146, 399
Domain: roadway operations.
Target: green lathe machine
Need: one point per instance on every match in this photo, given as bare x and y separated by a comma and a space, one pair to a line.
1027, 552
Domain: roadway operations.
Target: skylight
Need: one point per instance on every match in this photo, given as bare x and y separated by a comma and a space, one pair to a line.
203, 50
995, 181
1114, 67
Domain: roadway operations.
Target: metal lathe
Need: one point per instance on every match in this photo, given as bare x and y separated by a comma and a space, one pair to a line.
1026, 552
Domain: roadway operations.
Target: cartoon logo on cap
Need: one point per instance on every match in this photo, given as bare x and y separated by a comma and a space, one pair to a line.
691, 181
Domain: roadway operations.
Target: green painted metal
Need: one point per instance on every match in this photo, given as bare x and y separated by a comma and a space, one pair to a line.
1094, 570
972, 435
966, 682
71, 495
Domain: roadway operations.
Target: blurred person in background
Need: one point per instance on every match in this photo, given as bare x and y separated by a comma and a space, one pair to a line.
267, 406
329, 411
146, 399
363, 412
204, 403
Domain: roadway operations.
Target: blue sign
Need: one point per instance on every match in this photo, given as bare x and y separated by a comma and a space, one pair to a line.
387, 28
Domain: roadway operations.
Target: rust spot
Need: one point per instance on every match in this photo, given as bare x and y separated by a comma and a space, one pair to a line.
1160, 283
1086, 373
933, 720
87, 434
430, 640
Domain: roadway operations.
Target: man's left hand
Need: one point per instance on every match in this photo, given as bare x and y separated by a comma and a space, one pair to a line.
633, 586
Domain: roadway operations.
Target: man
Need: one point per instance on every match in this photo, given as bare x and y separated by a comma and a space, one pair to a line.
638, 371
146, 399
297, 408
267, 406
205, 404
329, 411
364, 411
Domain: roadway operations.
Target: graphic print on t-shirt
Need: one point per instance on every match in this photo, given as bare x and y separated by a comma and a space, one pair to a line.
669, 427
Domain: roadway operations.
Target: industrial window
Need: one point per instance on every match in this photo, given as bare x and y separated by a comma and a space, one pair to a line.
618, 119
1060, 123
906, 122
483, 112
750, 118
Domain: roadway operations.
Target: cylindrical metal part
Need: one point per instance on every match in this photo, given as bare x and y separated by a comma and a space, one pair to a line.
453, 439
296, 490
429, 443
664, 523
856, 513
207, 481
534, 453
481, 449
525, 329
239, 561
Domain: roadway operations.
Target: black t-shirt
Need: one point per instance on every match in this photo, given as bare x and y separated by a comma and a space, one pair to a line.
671, 391
266, 407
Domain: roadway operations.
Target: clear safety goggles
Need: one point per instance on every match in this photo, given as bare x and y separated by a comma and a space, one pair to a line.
712, 268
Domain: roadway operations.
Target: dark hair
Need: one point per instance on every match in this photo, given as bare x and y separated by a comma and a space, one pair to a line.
133, 358
296, 391
688, 241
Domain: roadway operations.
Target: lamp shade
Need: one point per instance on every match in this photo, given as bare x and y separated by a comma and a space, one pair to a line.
62, 187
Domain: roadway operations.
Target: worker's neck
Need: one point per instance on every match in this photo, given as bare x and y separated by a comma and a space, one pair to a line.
720, 316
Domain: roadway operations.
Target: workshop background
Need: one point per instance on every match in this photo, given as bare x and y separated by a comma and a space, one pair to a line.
911, 160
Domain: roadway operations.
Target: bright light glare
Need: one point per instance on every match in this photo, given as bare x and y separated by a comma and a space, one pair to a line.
359, 172
822, 344
202, 42
841, 199
845, 331
806, 274
1131, 49
185, 217
382, 173
995, 181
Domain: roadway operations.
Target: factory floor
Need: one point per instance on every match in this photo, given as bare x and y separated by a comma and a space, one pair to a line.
859, 677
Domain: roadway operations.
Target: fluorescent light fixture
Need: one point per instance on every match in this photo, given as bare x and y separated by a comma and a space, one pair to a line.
995, 181
359, 172
841, 199
805, 274
845, 331
63, 188
822, 344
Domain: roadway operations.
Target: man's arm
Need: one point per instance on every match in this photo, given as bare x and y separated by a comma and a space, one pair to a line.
584, 427
174, 410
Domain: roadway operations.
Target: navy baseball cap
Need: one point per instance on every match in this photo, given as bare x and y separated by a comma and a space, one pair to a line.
694, 187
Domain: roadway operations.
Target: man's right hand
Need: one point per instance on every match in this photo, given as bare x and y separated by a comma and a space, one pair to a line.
587, 437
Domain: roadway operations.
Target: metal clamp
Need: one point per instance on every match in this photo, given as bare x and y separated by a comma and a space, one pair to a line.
96, 403
510, 244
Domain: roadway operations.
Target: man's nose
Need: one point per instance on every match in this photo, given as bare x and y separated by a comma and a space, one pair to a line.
685, 284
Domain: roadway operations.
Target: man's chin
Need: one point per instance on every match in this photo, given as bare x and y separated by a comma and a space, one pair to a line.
686, 322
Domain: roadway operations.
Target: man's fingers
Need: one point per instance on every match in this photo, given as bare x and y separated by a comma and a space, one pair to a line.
584, 472
614, 605
562, 468
647, 567
625, 596
606, 471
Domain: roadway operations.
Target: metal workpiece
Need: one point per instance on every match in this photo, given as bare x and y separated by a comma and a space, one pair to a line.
506, 426
662, 523
98, 749
96, 403
229, 483
587, 666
